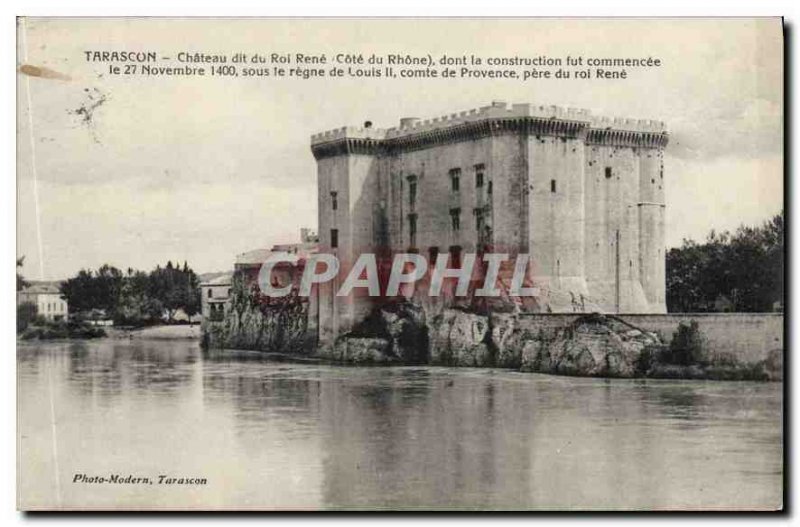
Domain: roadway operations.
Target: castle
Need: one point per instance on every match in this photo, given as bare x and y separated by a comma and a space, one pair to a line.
583, 195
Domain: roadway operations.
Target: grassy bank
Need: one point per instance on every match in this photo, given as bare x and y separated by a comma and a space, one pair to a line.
61, 330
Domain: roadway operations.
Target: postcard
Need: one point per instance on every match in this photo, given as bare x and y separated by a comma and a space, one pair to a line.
400, 264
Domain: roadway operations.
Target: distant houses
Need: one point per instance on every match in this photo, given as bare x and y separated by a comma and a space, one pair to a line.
215, 294
48, 301
248, 264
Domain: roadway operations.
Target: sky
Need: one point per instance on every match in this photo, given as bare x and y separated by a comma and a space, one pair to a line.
202, 169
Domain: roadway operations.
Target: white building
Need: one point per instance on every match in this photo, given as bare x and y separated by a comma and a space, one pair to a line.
47, 299
215, 294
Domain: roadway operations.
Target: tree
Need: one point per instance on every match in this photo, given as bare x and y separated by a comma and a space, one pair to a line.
21, 282
176, 289
745, 268
136, 307
135, 297
94, 290
193, 294
26, 314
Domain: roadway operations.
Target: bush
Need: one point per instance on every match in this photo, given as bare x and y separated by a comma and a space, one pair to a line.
743, 372
686, 347
648, 358
86, 332
26, 314
61, 330
44, 333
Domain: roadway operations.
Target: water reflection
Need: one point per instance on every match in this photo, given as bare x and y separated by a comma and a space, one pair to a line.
283, 435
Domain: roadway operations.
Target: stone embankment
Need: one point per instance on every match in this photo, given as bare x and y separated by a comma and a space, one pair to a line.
591, 345
581, 345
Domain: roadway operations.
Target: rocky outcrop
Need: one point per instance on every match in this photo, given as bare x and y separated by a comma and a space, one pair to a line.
271, 329
405, 333
458, 338
593, 345
405, 328
255, 324
394, 333
362, 350
512, 340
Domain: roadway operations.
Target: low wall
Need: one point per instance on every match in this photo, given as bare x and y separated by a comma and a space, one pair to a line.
748, 337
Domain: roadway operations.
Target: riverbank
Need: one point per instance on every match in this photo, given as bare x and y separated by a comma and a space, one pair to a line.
165, 332
60, 330
84, 332
591, 345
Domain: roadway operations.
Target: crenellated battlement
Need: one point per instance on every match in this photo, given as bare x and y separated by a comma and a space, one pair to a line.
497, 110
560, 121
350, 132
628, 125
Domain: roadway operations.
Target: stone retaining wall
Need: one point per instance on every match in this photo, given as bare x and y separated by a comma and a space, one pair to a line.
746, 337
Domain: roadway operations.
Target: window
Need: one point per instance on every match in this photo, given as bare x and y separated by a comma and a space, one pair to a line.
210, 293
412, 229
480, 221
489, 188
334, 201
479, 169
552, 185
455, 257
433, 253
455, 177
479, 178
412, 191
455, 219
608, 172
334, 238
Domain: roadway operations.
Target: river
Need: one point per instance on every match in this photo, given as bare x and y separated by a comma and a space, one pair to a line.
277, 435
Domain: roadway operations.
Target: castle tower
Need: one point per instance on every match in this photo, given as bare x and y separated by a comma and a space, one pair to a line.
555, 208
348, 187
583, 196
652, 272
621, 248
